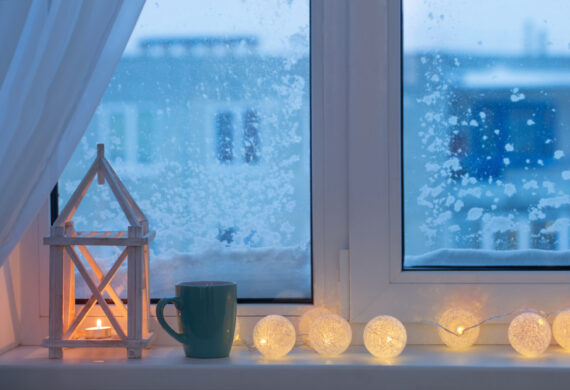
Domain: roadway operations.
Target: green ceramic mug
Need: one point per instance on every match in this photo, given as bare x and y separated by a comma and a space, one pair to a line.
206, 317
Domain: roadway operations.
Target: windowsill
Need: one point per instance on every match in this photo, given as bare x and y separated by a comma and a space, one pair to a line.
434, 367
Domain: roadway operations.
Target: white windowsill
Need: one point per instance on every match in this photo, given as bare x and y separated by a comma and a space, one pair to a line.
429, 367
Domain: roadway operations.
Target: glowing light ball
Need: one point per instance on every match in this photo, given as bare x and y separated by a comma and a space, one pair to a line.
274, 336
385, 337
561, 329
307, 320
529, 334
330, 335
236, 332
458, 320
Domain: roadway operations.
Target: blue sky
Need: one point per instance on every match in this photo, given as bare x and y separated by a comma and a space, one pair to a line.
481, 26
487, 26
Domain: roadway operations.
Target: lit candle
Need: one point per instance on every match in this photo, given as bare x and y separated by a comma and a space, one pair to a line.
98, 332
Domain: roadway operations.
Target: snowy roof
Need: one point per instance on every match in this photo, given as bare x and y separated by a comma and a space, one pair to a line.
505, 77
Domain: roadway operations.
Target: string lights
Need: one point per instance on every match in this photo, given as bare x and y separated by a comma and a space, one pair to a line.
307, 319
274, 336
236, 332
529, 332
462, 324
561, 329
385, 337
330, 335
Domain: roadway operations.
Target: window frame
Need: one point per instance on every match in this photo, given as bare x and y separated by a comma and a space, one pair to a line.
378, 284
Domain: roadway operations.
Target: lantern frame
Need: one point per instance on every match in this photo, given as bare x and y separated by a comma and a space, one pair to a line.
63, 260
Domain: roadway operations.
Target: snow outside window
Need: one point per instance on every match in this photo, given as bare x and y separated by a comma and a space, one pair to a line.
486, 140
207, 122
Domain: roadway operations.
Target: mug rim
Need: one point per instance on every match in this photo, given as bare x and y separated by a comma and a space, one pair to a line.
205, 283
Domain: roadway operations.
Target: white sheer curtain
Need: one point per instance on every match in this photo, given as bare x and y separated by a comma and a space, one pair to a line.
56, 59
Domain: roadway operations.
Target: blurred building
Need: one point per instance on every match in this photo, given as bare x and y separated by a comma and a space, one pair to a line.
215, 135
486, 152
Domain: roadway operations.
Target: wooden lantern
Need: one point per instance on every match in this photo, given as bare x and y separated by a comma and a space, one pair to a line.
64, 241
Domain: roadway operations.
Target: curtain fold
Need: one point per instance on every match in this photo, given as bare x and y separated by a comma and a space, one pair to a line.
62, 55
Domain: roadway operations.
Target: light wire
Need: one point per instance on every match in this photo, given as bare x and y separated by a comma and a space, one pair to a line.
496, 317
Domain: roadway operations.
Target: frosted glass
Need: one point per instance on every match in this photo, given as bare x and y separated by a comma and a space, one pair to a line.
486, 143
207, 122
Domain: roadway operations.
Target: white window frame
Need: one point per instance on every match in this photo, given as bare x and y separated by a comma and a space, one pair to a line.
329, 96
377, 283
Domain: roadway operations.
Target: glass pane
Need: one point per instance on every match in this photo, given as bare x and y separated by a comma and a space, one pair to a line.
486, 140
207, 122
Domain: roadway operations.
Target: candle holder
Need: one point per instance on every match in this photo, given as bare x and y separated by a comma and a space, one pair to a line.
98, 332
64, 242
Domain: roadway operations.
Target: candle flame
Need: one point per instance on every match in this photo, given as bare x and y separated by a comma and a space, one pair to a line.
99, 323
460, 330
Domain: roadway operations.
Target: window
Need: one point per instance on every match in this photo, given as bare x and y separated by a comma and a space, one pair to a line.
251, 137
117, 130
356, 183
181, 120
225, 136
484, 150
428, 91
146, 136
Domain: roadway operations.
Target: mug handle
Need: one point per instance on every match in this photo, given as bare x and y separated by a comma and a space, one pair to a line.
160, 316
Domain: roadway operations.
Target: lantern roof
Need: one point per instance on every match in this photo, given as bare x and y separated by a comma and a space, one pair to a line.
105, 173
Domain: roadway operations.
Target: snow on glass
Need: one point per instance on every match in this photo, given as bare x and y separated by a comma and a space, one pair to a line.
207, 122
486, 112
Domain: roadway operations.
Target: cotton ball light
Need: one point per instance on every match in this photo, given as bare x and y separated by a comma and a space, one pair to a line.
561, 329
529, 334
385, 337
236, 332
274, 336
330, 335
458, 320
307, 319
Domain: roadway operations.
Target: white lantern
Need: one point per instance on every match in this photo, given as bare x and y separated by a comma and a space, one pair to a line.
330, 335
459, 321
274, 336
385, 337
529, 334
561, 329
